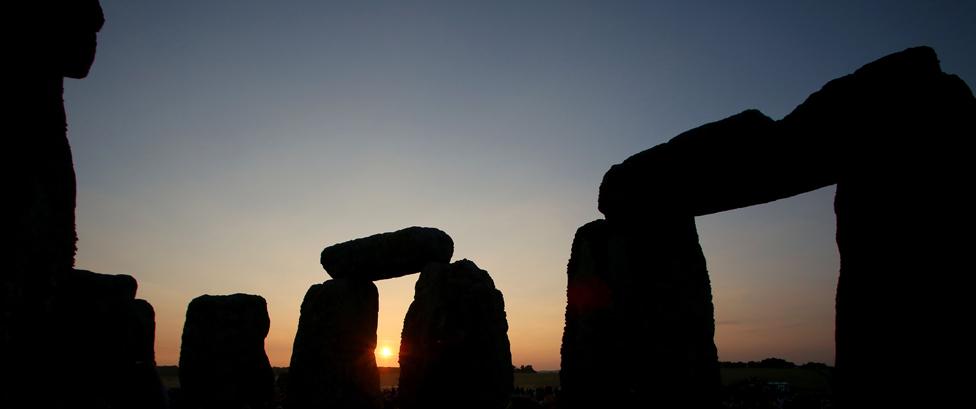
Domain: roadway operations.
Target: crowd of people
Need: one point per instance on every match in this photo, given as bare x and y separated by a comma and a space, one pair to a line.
756, 393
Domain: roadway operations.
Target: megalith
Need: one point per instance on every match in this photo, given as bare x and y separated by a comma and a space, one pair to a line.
639, 287
39, 187
143, 388
454, 350
589, 341
388, 255
111, 335
222, 359
55, 319
894, 137
333, 363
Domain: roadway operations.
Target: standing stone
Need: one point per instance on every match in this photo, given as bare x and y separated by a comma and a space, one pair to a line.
333, 363
222, 358
388, 255
639, 319
895, 136
38, 181
112, 336
590, 361
92, 310
143, 388
454, 350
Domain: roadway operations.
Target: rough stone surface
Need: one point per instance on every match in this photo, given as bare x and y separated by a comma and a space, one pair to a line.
333, 363
701, 171
54, 319
39, 191
894, 136
454, 350
222, 358
112, 336
639, 287
143, 387
852, 126
901, 229
388, 255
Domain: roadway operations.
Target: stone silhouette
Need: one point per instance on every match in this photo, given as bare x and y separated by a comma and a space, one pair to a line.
110, 334
54, 319
222, 358
43, 185
39, 179
144, 388
454, 349
388, 255
893, 136
333, 363
639, 284
589, 346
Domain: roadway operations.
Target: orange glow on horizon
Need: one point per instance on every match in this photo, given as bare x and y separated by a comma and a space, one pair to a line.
387, 354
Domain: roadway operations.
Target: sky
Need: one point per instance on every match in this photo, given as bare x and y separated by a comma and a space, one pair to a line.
220, 145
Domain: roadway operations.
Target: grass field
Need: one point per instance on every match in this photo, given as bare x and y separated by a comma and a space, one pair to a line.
800, 379
390, 376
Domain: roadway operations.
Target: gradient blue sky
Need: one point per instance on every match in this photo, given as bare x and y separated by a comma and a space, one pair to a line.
220, 145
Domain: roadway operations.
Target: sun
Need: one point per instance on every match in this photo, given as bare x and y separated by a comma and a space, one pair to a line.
386, 352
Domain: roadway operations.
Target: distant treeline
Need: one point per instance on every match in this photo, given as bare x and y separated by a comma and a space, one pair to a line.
768, 363
773, 363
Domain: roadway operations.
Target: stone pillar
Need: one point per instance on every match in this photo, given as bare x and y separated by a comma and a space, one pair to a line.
39, 190
895, 138
142, 388
333, 363
222, 358
639, 319
454, 350
104, 329
588, 355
